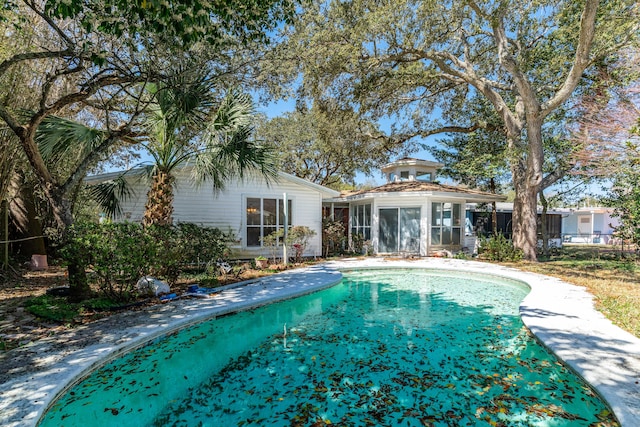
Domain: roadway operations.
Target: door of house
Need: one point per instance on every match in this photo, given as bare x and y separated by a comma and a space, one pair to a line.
399, 230
584, 225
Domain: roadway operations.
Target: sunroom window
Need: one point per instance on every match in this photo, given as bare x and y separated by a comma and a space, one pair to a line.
446, 223
361, 221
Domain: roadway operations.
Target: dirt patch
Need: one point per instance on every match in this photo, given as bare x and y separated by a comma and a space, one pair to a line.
18, 327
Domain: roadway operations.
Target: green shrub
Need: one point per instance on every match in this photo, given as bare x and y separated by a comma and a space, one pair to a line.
118, 253
359, 246
333, 237
298, 239
202, 245
186, 244
169, 252
498, 248
273, 241
121, 253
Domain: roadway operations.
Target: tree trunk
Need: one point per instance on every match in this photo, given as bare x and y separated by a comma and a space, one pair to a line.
159, 207
525, 214
24, 219
543, 224
526, 169
79, 288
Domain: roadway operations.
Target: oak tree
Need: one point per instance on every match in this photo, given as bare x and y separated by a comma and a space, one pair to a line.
419, 61
93, 59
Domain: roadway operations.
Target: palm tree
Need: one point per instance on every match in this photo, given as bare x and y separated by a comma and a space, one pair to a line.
184, 126
186, 123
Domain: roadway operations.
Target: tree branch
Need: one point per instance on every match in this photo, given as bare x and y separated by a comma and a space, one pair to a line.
581, 61
70, 44
7, 63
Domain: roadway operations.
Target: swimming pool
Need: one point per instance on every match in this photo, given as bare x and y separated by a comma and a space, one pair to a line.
401, 347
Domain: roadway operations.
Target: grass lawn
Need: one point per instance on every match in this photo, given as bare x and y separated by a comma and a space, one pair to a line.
613, 280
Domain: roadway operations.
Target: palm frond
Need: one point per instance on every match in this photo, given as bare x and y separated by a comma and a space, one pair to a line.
186, 98
235, 155
58, 137
109, 195
235, 111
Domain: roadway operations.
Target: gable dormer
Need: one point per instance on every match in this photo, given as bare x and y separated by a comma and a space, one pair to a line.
409, 169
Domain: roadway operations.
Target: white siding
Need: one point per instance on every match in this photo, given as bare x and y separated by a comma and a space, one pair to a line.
226, 209
408, 200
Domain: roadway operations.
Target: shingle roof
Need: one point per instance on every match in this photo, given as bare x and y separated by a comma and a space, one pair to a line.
421, 186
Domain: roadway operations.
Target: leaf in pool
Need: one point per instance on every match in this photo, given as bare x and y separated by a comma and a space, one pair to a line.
426, 422
114, 411
604, 414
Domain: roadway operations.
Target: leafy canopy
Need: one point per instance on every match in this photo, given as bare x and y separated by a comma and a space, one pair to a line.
326, 144
182, 21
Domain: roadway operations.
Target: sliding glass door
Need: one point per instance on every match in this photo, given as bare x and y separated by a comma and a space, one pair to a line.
399, 230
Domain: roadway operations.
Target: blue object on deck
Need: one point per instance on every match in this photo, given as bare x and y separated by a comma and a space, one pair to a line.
168, 297
196, 291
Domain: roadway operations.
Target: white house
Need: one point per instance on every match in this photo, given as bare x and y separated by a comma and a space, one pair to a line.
250, 209
411, 213
590, 225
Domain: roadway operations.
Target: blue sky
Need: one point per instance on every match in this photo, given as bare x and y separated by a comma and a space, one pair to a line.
278, 108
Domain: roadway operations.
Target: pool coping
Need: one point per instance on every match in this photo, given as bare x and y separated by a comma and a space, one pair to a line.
562, 316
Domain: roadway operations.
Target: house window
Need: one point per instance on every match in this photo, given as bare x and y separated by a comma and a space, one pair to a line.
446, 223
265, 216
423, 176
361, 221
404, 175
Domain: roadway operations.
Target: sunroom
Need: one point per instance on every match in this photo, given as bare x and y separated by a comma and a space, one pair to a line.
412, 214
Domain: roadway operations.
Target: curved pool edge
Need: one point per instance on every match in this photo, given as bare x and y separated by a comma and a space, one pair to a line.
25, 398
562, 316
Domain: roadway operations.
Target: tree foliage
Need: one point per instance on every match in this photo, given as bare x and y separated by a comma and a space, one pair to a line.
479, 158
326, 144
419, 62
213, 22
93, 59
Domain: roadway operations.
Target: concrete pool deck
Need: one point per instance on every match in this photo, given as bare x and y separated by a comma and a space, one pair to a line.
559, 314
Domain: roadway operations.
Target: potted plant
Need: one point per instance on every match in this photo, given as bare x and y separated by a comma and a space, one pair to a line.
261, 262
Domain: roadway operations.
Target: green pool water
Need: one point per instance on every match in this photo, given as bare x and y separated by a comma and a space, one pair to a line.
382, 348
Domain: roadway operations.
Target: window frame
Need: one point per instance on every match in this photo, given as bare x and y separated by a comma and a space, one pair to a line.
274, 225
358, 219
438, 224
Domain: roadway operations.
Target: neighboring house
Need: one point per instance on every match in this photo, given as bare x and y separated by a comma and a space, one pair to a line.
479, 217
411, 214
250, 209
589, 225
